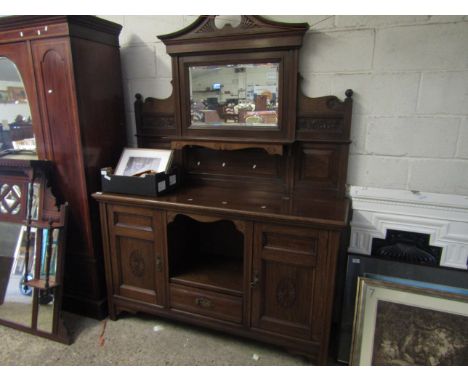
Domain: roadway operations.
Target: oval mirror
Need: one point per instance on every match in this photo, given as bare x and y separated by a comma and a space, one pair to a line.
17, 139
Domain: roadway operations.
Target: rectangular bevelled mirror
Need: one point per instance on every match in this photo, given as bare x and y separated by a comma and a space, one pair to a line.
239, 96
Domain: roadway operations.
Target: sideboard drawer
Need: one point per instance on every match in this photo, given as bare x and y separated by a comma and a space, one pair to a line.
216, 305
138, 222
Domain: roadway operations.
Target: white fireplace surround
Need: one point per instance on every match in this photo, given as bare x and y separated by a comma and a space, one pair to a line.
444, 217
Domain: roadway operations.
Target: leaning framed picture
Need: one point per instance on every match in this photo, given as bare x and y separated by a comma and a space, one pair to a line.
398, 324
136, 161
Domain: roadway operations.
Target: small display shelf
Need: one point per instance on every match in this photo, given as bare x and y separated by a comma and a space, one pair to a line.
271, 148
41, 284
207, 254
218, 274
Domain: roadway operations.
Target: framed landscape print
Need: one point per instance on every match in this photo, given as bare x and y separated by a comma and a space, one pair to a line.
134, 162
397, 324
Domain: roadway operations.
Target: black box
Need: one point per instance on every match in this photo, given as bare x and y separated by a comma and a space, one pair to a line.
149, 185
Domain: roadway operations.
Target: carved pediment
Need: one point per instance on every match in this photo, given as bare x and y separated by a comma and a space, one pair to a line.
208, 25
204, 35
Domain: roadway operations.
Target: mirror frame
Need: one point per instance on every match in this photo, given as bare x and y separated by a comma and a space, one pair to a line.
51, 214
255, 39
232, 129
19, 55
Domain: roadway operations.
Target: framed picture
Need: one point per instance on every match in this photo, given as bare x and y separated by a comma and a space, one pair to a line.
137, 161
16, 93
398, 324
448, 279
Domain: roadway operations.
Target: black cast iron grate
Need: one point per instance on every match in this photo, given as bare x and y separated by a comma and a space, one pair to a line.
408, 247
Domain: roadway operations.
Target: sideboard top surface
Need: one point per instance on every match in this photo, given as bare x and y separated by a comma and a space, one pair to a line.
244, 204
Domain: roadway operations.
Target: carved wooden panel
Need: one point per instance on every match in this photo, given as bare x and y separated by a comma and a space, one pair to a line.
159, 123
285, 261
138, 255
154, 117
136, 269
320, 167
327, 125
13, 197
289, 291
324, 118
10, 199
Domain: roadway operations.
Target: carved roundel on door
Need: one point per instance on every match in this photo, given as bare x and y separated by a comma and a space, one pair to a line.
137, 264
286, 292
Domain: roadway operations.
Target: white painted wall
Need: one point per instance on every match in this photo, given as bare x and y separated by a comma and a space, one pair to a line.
409, 75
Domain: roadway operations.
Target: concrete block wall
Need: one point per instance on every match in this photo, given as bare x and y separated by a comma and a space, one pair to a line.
409, 75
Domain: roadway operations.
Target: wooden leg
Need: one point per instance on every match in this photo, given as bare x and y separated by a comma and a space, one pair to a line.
112, 312
309, 357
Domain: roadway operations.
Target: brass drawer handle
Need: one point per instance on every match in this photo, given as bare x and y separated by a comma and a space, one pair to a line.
203, 302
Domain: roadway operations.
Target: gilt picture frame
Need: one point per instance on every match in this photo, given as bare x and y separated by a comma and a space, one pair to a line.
134, 161
398, 324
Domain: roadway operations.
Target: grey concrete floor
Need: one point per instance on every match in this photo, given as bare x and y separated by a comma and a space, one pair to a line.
139, 340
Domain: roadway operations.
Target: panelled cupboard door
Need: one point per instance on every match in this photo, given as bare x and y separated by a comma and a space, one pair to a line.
136, 254
53, 68
284, 273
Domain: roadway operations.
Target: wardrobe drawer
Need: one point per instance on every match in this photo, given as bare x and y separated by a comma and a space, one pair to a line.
216, 305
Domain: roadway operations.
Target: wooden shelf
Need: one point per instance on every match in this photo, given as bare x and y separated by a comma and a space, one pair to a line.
270, 148
224, 275
40, 283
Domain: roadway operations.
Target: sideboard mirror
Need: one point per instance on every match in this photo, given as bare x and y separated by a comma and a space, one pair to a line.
238, 95
236, 81
32, 242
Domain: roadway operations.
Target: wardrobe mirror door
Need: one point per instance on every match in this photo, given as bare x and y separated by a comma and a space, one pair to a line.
17, 139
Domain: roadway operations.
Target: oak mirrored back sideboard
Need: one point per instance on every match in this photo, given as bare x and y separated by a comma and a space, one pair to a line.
249, 243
